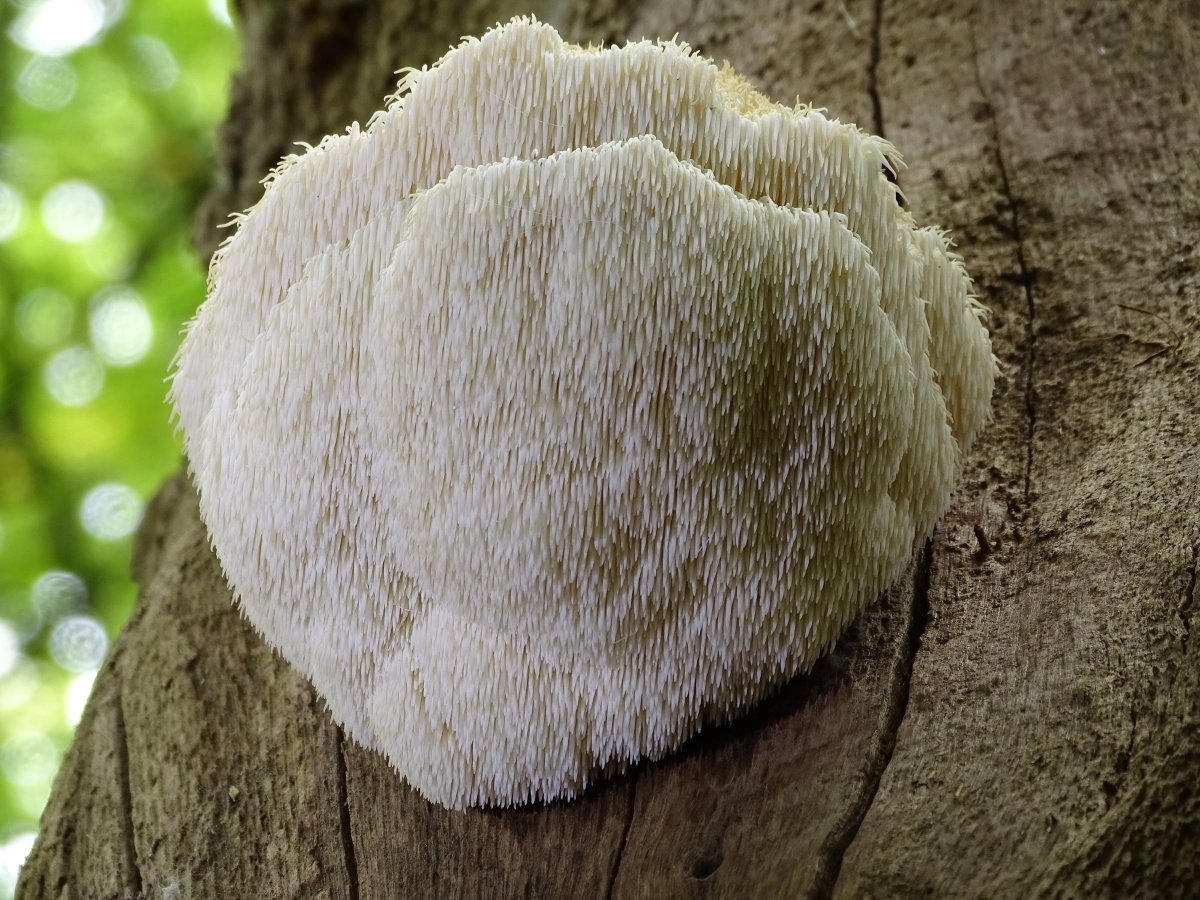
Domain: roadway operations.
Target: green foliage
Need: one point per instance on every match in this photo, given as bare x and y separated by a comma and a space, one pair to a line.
106, 147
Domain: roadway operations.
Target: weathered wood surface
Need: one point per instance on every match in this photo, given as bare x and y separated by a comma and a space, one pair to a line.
1016, 718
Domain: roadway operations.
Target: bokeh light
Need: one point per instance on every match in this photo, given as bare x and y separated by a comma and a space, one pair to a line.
159, 69
122, 330
76, 697
110, 511
19, 692
75, 376
10, 647
12, 211
12, 854
220, 11
47, 83
78, 644
29, 757
59, 27
73, 211
56, 593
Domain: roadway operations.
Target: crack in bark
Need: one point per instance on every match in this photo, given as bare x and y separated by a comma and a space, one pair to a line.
620, 855
895, 706
131, 875
1029, 361
344, 828
873, 71
1029, 351
883, 741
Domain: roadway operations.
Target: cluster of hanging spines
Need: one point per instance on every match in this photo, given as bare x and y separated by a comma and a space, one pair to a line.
586, 443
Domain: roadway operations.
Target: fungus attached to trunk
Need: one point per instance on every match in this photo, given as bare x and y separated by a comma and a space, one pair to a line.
578, 401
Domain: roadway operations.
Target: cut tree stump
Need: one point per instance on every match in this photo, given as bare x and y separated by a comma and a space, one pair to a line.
1018, 717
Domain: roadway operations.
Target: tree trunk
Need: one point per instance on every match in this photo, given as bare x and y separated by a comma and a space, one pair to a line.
1017, 718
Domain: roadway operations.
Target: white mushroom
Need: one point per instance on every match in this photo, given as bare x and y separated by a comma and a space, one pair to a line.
578, 401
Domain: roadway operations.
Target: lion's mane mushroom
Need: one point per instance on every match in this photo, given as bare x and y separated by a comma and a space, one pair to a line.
577, 401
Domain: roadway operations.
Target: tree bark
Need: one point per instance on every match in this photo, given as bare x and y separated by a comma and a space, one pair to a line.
1018, 717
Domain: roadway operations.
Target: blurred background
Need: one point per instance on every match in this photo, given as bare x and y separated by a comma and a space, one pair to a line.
107, 119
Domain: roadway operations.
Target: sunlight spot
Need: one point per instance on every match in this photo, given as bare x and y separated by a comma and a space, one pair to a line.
59, 27
12, 211
157, 64
18, 687
46, 83
10, 647
121, 327
220, 11
75, 376
73, 211
76, 696
56, 593
78, 644
29, 758
13, 854
111, 511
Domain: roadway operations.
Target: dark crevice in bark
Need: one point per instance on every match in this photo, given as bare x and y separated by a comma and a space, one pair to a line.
1029, 351
132, 876
883, 743
1025, 273
620, 854
345, 829
895, 707
891, 173
873, 69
